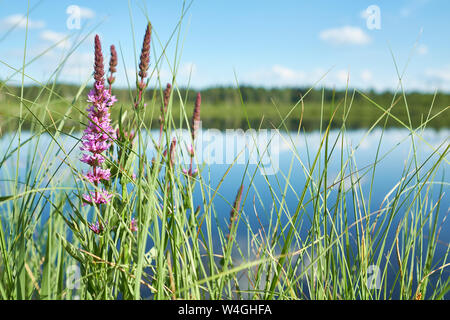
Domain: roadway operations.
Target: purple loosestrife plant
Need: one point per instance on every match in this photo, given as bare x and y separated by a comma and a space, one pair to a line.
194, 131
196, 116
112, 66
235, 211
145, 56
164, 106
99, 134
143, 65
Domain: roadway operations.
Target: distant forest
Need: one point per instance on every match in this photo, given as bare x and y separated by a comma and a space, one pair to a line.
231, 107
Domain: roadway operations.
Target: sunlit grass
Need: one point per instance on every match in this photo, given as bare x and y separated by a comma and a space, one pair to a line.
352, 249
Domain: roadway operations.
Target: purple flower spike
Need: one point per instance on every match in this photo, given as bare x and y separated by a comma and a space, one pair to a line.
99, 134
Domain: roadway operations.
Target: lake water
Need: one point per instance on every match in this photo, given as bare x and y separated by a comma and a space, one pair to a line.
287, 155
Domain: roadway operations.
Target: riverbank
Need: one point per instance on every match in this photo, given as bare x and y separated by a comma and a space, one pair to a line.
230, 108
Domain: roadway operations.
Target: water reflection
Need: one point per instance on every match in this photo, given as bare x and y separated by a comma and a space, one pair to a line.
374, 162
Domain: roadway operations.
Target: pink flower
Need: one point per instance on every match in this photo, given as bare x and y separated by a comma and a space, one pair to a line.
93, 159
133, 225
97, 228
191, 150
191, 172
99, 134
100, 174
98, 197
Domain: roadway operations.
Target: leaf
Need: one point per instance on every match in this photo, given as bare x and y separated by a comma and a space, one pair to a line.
74, 252
46, 282
6, 198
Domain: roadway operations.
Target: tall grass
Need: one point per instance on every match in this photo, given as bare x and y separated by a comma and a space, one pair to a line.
353, 248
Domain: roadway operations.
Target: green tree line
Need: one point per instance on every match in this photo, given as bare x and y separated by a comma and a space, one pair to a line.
231, 107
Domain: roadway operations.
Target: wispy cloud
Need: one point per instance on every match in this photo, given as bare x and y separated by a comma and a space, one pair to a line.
422, 49
80, 12
438, 78
345, 35
366, 76
342, 77
364, 14
276, 75
86, 13
279, 76
56, 37
287, 75
186, 73
412, 7
20, 21
78, 66
187, 70
75, 68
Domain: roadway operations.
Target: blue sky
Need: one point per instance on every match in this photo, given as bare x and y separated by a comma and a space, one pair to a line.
264, 43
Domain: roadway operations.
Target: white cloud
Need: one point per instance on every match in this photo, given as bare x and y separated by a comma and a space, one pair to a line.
345, 35
287, 75
364, 14
187, 70
80, 12
56, 37
86, 13
412, 7
187, 73
76, 69
366, 76
438, 78
422, 49
280, 76
79, 64
20, 21
440, 75
427, 80
276, 75
342, 77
